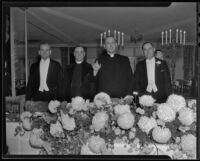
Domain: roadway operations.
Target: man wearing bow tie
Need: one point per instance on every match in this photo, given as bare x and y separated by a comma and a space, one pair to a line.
152, 75
46, 78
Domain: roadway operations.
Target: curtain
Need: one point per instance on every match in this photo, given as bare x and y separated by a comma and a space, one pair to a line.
6, 52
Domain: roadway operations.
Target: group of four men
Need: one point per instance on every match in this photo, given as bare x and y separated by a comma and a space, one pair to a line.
111, 73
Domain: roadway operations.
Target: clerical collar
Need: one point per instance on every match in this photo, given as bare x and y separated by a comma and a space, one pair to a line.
111, 55
79, 62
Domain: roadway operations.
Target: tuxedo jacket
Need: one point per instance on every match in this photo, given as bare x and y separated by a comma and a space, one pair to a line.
54, 80
162, 80
87, 85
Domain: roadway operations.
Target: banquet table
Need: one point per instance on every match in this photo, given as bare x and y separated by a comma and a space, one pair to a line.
19, 145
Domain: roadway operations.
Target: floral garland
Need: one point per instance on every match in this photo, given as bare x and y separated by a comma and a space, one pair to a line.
83, 127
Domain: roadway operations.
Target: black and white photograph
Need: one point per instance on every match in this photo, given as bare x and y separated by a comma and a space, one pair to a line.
100, 79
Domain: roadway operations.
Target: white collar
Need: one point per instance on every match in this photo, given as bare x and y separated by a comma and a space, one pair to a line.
79, 62
151, 60
45, 61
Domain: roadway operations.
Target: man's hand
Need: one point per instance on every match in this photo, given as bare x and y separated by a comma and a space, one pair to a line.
96, 66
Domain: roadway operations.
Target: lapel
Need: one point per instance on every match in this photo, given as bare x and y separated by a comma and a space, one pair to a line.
50, 70
38, 72
145, 72
157, 67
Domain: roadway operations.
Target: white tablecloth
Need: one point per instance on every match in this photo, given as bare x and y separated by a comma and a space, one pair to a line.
18, 144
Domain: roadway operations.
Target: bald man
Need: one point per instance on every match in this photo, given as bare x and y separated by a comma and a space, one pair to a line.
46, 78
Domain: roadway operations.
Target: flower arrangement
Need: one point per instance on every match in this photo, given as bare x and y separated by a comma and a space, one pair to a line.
177, 102
93, 128
102, 99
146, 100
165, 112
146, 124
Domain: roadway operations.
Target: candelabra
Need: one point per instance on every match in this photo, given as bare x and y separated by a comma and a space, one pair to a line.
173, 41
117, 35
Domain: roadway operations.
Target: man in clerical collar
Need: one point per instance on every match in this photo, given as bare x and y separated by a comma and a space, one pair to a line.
45, 78
80, 75
152, 75
113, 72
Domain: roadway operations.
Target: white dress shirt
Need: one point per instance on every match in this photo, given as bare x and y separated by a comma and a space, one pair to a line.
150, 64
44, 66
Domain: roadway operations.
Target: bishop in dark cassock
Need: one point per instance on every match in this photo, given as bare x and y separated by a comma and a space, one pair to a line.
113, 72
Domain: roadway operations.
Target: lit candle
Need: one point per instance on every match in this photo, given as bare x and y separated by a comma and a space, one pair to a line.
122, 39
170, 36
108, 32
115, 34
180, 36
162, 37
101, 39
118, 38
184, 35
104, 35
176, 35
166, 37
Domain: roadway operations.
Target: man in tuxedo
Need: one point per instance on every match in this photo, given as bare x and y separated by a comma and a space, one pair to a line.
152, 75
45, 78
159, 54
113, 72
80, 76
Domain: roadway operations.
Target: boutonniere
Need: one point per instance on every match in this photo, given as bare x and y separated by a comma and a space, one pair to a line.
158, 62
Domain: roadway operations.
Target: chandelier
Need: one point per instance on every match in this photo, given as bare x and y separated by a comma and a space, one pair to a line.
117, 35
169, 38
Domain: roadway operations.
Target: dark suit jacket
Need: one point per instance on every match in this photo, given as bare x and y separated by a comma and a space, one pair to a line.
162, 80
87, 87
115, 76
54, 80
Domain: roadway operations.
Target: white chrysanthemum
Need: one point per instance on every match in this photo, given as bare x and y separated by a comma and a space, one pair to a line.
177, 102
188, 142
146, 100
67, 122
99, 120
192, 103
52, 106
165, 112
101, 99
85, 150
186, 116
140, 111
27, 124
56, 129
121, 109
78, 103
95, 144
25, 114
146, 123
35, 139
126, 120
86, 105
161, 135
